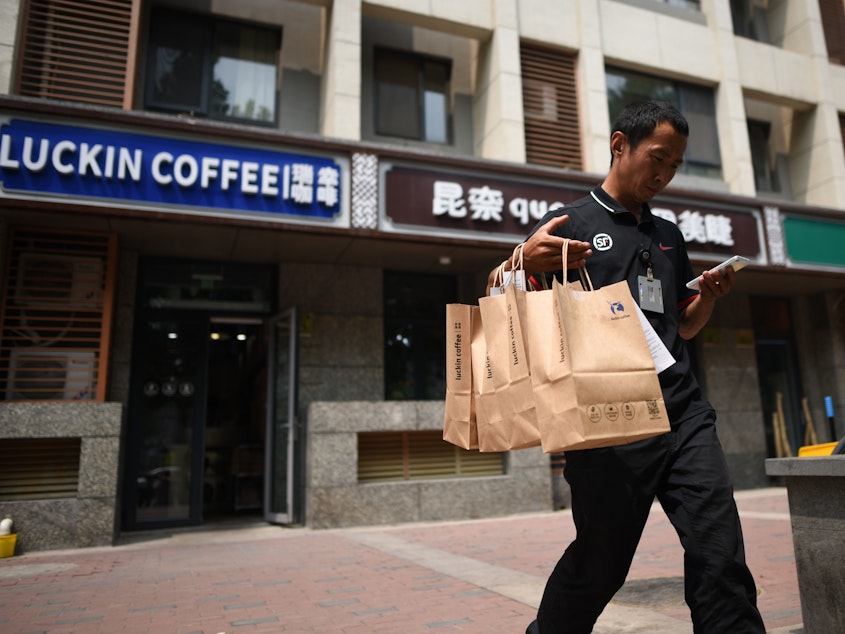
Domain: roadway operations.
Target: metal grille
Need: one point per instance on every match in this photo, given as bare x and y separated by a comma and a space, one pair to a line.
55, 323
79, 51
550, 104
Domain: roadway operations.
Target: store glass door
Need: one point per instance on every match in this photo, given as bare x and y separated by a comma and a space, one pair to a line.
280, 466
168, 416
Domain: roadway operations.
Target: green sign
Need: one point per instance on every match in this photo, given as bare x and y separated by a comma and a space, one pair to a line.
819, 242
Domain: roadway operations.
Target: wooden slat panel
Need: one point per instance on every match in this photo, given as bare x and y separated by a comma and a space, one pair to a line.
39, 468
431, 457
833, 22
380, 456
480, 464
57, 298
419, 455
77, 51
550, 104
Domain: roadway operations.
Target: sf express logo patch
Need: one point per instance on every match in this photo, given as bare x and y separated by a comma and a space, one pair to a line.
602, 242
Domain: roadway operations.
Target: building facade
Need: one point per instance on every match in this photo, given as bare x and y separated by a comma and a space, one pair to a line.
230, 228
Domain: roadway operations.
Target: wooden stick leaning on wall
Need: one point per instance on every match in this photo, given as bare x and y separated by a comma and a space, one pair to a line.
810, 437
779, 452
787, 449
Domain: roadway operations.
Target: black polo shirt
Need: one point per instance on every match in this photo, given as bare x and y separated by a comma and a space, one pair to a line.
617, 240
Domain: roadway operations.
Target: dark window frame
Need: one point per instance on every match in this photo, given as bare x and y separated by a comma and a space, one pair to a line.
420, 62
683, 95
210, 25
766, 177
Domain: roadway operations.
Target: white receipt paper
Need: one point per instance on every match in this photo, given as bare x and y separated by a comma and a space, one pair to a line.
659, 352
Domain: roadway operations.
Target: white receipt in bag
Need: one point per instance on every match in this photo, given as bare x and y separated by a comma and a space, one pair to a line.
659, 352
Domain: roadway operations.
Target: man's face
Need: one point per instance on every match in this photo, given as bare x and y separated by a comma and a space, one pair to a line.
644, 172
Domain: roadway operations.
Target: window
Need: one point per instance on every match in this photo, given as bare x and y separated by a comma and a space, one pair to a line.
695, 5
212, 67
751, 19
414, 335
765, 172
842, 128
695, 102
412, 96
420, 455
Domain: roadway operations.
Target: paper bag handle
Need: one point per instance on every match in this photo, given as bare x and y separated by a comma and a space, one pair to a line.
516, 262
499, 279
586, 282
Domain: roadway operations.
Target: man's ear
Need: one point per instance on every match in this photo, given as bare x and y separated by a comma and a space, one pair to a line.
617, 143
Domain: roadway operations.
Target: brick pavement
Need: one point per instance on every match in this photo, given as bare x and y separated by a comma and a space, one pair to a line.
479, 576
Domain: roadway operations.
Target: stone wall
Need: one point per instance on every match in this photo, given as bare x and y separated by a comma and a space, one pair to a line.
334, 498
88, 519
730, 382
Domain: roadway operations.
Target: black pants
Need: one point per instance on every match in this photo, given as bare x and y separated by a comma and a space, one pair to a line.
612, 492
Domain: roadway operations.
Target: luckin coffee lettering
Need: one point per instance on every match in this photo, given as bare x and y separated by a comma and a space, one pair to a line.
513, 338
562, 343
458, 354
43, 158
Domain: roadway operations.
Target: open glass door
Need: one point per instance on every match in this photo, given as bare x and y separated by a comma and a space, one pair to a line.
281, 418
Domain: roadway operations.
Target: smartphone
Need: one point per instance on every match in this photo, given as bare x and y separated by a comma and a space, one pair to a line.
736, 263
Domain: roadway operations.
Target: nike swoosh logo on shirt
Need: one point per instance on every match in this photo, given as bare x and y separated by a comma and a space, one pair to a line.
663, 248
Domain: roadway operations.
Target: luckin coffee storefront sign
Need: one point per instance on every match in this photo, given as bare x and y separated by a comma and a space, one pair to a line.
46, 160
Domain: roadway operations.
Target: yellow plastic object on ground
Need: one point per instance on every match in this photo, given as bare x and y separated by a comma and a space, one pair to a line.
7, 545
824, 449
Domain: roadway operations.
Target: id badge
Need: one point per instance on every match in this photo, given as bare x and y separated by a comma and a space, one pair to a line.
651, 294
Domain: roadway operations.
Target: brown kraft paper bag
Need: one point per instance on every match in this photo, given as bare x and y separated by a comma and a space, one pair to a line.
459, 426
503, 316
619, 396
488, 417
551, 370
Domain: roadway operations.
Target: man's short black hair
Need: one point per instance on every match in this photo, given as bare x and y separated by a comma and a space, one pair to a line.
639, 119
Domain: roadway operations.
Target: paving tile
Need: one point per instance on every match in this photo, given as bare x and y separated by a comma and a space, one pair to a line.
473, 577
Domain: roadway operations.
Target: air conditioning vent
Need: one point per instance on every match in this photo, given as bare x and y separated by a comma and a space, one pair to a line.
59, 281
49, 375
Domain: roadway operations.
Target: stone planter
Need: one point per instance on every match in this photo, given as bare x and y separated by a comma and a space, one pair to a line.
816, 490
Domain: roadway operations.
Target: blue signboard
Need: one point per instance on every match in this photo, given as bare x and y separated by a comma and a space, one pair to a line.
44, 159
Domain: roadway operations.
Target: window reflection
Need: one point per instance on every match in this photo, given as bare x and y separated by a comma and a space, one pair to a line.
212, 67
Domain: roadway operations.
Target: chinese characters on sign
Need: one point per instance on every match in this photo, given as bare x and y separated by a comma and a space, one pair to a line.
699, 227
504, 208
298, 179
135, 169
484, 204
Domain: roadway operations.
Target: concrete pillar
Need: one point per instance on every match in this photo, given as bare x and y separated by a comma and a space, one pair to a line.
737, 167
9, 12
340, 88
498, 118
816, 166
592, 90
